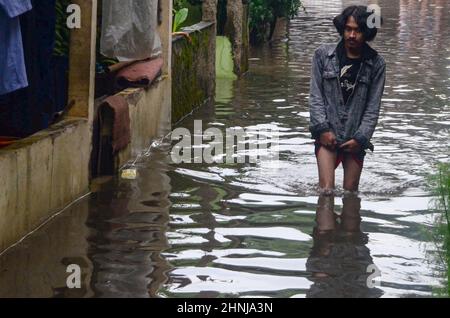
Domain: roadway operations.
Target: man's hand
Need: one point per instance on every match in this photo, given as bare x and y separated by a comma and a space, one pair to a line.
328, 140
351, 146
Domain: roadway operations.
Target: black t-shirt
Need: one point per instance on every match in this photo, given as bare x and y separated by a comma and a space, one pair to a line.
349, 69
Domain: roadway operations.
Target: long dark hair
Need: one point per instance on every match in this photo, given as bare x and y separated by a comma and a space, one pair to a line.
360, 14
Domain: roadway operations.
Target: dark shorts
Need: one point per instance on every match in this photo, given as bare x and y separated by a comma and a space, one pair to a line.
357, 157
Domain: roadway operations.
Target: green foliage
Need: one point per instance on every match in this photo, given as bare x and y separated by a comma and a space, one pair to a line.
180, 16
440, 183
62, 32
180, 4
440, 187
194, 9
264, 13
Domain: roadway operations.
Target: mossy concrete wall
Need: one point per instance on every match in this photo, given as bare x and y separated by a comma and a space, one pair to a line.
193, 69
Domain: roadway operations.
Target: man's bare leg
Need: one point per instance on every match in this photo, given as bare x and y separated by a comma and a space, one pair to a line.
352, 173
326, 161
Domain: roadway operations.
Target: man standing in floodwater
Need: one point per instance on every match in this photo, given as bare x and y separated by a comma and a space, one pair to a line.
347, 84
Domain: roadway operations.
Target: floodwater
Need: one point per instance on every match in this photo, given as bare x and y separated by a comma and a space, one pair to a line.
249, 229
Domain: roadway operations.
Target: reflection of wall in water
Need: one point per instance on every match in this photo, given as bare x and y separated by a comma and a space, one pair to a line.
37, 267
129, 224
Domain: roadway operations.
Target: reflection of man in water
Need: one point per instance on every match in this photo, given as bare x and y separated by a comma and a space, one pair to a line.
339, 258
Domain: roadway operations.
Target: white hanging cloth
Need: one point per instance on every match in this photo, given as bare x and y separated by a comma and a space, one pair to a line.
129, 29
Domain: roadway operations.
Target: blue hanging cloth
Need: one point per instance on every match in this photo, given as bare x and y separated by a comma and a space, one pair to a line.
13, 74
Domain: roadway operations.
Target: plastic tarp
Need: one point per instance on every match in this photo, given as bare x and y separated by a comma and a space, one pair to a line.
129, 29
224, 58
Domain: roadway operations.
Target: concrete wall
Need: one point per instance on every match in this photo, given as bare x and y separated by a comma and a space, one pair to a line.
41, 175
193, 74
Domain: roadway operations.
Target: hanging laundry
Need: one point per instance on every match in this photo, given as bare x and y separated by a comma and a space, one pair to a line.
129, 29
38, 37
13, 74
28, 110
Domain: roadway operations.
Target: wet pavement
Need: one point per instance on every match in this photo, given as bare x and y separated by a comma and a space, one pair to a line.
249, 230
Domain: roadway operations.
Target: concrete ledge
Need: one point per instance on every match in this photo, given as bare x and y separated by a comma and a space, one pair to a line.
198, 27
41, 174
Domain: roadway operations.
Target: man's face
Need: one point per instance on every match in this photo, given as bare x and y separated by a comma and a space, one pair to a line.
353, 36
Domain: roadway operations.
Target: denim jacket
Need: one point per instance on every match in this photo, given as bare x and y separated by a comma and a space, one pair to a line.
356, 119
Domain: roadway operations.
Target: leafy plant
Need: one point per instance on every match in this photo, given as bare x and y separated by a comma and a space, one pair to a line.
179, 4
195, 10
264, 14
62, 32
440, 186
179, 17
